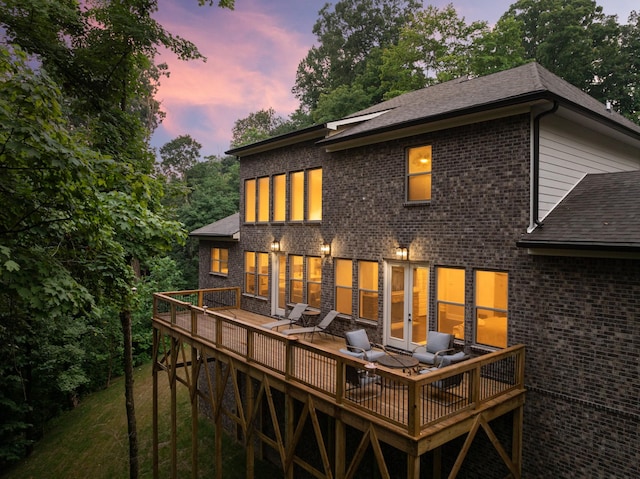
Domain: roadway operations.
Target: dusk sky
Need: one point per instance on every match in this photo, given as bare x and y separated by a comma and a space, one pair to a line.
252, 56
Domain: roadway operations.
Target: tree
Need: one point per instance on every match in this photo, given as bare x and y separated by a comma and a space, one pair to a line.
434, 47
178, 156
81, 137
347, 36
566, 37
258, 126
498, 49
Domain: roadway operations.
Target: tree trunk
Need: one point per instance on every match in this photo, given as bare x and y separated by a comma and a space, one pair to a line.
125, 320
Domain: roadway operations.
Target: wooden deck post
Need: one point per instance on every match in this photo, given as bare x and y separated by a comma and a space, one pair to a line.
218, 424
156, 348
250, 448
340, 449
174, 406
194, 412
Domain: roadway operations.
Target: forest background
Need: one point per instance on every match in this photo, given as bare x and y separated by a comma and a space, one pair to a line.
94, 220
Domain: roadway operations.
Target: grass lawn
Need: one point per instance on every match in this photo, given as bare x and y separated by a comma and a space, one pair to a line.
91, 440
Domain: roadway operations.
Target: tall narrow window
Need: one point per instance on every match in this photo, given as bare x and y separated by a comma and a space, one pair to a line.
314, 281
491, 308
250, 201
279, 197
368, 289
297, 196
249, 272
314, 195
344, 286
296, 278
220, 260
263, 274
419, 174
256, 273
263, 199
450, 302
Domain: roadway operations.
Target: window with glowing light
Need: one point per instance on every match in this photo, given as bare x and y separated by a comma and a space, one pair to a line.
279, 197
220, 260
344, 286
491, 308
368, 290
419, 174
450, 301
250, 201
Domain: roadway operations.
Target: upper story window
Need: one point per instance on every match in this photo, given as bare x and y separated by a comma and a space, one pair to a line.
250, 201
314, 195
419, 174
279, 198
491, 308
450, 301
256, 274
220, 260
368, 290
344, 286
263, 199
297, 196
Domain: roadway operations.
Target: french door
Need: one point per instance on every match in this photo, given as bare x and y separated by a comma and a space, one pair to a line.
406, 305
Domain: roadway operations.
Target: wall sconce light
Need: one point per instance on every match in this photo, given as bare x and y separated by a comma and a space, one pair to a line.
326, 249
402, 254
275, 246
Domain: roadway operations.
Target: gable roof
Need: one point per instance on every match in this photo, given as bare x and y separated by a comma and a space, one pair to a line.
601, 213
225, 229
524, 84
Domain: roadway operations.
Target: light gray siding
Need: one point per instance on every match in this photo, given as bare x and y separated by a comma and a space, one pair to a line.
568, 153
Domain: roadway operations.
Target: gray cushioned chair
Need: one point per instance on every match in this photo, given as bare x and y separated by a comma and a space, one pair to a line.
359, 346
438, 344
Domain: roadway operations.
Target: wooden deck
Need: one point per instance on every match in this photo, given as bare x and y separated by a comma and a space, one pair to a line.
407, 410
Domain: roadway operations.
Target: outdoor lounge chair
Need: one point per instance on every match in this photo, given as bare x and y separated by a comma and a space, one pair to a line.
321, 327
359, 346
438, 344
441, 388
293, 317
361, 385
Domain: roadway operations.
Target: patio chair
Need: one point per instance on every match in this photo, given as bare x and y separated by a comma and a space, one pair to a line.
361, 385
438, 344
293, 317
321, 327
442, 387
359, 346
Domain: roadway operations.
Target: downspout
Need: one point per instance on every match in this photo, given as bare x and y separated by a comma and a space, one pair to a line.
536, 162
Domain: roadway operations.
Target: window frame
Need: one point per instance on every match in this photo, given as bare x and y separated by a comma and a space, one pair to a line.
252, 270
217, 259
439, 301
293, 278
279, 198
312, 283
263, 192
313, 197
343, 287
250, 188
373, 295
477, 307
418, 174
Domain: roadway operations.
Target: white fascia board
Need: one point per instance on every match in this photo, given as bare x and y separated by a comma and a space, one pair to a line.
334, 125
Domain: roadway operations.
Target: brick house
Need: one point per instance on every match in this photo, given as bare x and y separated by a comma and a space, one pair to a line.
503, 209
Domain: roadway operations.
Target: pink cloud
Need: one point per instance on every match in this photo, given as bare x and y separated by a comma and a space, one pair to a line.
251, 64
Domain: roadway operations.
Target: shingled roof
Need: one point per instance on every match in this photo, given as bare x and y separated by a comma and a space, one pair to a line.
602, 212
225, 229
526, 83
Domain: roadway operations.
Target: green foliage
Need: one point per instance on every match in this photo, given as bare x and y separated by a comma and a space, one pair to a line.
258, 126
178, 156
346, 36
434, 47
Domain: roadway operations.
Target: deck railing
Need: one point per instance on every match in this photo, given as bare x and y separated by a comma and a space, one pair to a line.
410, 401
